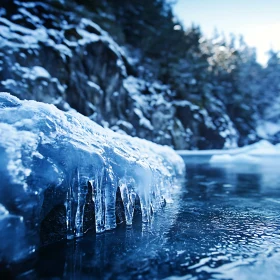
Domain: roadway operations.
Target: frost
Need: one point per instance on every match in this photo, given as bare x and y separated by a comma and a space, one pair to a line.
42, 147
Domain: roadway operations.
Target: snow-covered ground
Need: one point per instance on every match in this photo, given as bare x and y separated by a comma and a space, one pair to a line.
250, 154
50, 159
266, 129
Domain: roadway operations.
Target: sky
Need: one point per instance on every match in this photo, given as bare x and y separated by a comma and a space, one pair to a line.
257, 20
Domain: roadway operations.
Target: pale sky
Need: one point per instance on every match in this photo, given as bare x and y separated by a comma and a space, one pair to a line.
257, 20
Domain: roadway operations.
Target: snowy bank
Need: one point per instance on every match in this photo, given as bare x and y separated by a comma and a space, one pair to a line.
249, 154
63, 174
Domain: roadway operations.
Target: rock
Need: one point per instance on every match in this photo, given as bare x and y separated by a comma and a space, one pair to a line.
50, 52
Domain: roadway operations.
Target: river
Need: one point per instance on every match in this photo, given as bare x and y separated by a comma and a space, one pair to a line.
223, 224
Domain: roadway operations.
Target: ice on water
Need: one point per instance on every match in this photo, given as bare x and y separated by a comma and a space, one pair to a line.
43, 148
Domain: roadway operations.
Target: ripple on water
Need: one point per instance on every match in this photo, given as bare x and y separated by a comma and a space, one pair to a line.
225, 225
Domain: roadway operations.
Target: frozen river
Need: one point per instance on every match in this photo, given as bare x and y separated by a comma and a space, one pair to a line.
224, 224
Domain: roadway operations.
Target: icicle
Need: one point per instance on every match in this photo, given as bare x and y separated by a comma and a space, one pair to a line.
166, 184
144, 186
110, 199
156, 192
146, 209
80, 208
128, 197
99, 200
69, 209
89, 210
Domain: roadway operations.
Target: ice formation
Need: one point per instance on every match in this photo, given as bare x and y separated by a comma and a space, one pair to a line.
51, 159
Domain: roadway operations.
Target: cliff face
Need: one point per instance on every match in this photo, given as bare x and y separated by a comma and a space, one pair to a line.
56, 54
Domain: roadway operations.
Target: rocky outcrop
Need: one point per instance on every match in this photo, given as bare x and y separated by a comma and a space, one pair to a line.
56, 55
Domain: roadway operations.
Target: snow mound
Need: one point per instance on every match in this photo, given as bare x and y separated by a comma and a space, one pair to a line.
249, 154
63, 167
262, 148
240, 158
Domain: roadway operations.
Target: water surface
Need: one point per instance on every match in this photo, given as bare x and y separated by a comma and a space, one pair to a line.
223, 224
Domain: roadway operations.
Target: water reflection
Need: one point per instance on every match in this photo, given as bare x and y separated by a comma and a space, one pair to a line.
224, 225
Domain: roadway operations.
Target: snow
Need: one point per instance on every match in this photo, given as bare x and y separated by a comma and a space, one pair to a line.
94, 85
239, 158
3, 211
248, 154
36, 72
42, 147
266, 129
143, 121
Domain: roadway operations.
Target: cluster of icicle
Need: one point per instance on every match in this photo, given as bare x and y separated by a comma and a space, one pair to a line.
42, 147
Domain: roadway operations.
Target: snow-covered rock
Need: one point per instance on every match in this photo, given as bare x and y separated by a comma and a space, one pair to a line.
205, 129
52, 51
62, 174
